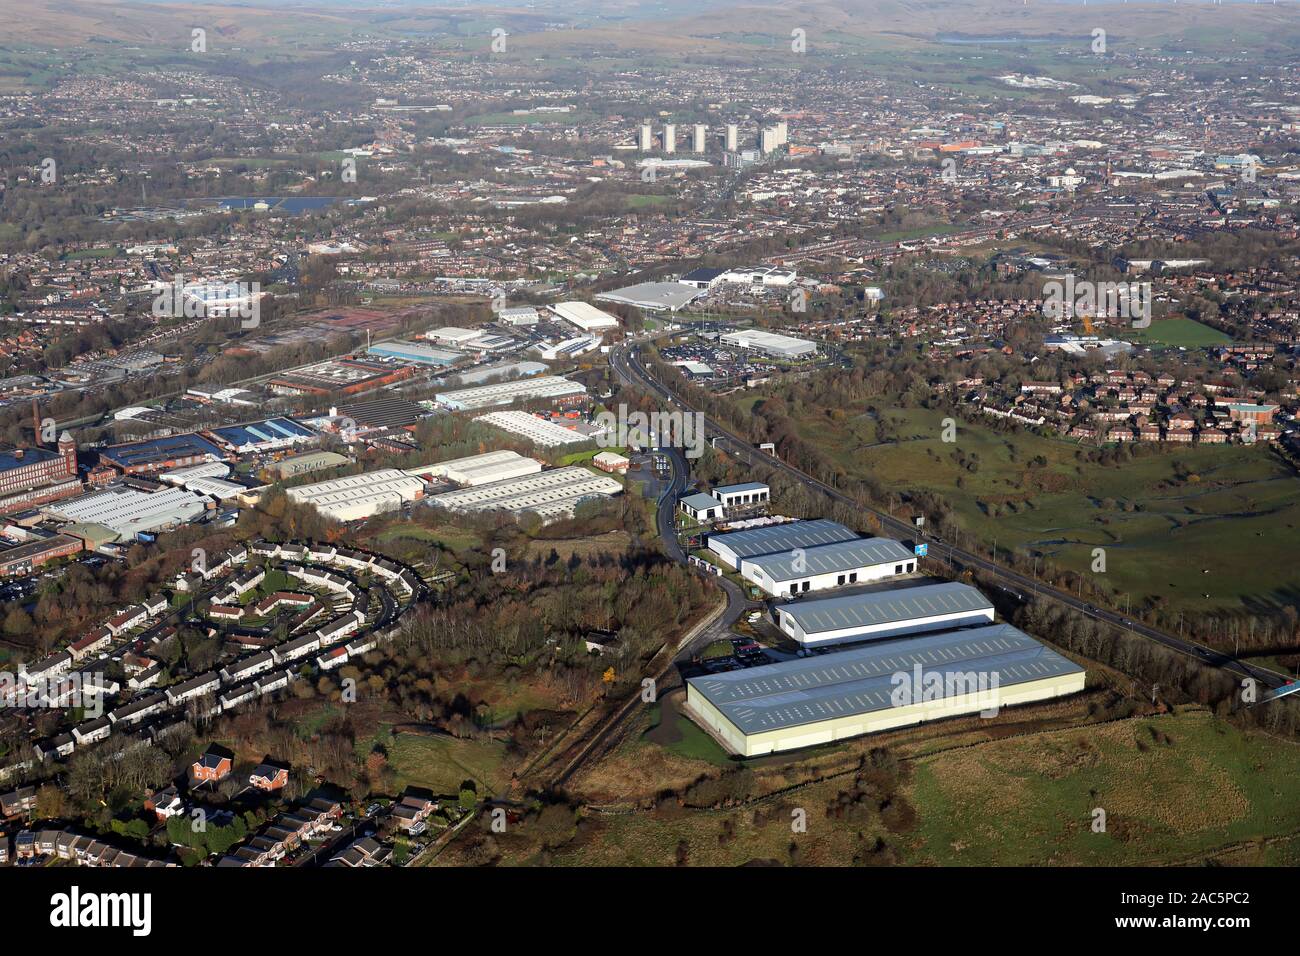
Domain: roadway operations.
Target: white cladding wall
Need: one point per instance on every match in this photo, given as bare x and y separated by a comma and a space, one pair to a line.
733, 498
841, 728
820, 582
891, 629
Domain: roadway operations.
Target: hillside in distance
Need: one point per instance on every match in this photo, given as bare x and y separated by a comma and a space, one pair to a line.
711, 26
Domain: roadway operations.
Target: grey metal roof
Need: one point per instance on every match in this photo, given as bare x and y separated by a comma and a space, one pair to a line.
831, 558
885, 607
699, 501
860, 681
773, 538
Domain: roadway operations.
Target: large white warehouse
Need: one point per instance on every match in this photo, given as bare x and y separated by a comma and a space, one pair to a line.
507, 393
481, 469
770, 343
130, 512
879, 614
828, 565
830, 697
542, 433
552, 494
585, 316
653, 296
360, 496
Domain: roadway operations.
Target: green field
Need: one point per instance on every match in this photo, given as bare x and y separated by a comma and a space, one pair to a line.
1174, 789
920, 232
1163, 518
454, 539
440, 763
1178, 333
1185, 788
105, 252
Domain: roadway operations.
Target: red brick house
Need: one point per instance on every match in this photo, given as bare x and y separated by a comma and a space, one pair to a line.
269, 776
214, 765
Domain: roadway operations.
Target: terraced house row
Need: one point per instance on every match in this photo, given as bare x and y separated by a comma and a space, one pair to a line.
352, 629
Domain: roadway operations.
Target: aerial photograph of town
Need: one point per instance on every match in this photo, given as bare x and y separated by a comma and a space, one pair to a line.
649, 435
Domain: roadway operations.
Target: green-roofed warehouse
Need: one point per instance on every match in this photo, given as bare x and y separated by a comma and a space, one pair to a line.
887, 684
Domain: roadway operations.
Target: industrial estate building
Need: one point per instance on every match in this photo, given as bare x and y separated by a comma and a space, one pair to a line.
360, 496
518, 315
653, 296
585, 316
881, 614
770, 343
551, 494
305, 464
481, 469
32, 476
129, 512
347, 376
828, 565
452, 335
818, 700
566, 348
794, 557
498, 370
713, 506
702, 507
210, 469
542, 433
269, 435
153, 455
745, 495
732, 546
550, 388
418, 352
30, 555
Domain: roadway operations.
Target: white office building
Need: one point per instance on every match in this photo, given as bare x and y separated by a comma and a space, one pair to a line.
745, 495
